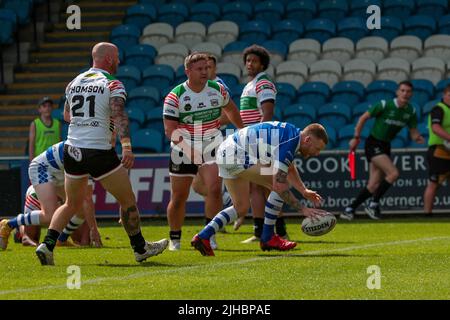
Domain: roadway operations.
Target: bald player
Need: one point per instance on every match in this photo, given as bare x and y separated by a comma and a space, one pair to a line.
95, 104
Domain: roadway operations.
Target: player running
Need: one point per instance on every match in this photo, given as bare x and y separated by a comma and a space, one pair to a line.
390, 117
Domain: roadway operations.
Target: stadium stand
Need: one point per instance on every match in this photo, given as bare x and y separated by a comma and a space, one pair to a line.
314, 46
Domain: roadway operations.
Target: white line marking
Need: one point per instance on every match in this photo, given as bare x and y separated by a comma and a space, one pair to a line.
244, 261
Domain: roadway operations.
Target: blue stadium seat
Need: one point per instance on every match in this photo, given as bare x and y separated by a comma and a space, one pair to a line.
380, 90
58, 114
432, 8
320, 29
140, 56
428, 106
420, 26
337, 114
237, 11
348, 92
314, 93
144, 97
285, 95
156, 3
64, 130
136, 114
359, 109
180, 75
358, 8
121, 56
301, 10
125, 36
300, 114
332, 136
401, 9
140, 15
391, 27
346, 133
444, 24
440, 86
269, 11
147, 140
254, 31
287, 31
236, 92
159, 76
398, 143
22, 8
353, 28
423, 91
276, 47
6, 33
332, 9
130, 76
173, 13
234, 46
154, 119
205, 12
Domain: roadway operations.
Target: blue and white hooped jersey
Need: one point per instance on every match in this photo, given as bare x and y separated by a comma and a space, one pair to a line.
268, 142
48, 166
54, 155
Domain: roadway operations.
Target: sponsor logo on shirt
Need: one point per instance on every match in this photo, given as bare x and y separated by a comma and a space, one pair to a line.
187, 107
201, 105
187, 98
214, 102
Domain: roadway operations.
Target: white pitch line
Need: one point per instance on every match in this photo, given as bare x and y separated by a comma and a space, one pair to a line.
244, 261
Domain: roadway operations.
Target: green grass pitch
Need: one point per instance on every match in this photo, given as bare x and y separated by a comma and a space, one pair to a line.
413, 257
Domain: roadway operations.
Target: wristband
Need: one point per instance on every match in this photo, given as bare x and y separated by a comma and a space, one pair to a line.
126, 145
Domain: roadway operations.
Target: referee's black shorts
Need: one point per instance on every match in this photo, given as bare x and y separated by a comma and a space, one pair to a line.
375, 147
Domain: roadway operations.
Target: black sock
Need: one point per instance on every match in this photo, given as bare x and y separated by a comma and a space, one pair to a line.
50, 239
258, 224
362, 196
280, 227
175, 235
384, 186
207, 220
138, 243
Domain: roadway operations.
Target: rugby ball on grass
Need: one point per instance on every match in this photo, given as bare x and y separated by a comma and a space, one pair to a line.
319, 226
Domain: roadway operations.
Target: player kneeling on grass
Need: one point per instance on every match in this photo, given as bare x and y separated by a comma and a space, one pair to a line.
46, 173
263, 154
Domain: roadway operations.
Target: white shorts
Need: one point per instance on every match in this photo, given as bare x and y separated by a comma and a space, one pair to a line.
41, 171
229, 161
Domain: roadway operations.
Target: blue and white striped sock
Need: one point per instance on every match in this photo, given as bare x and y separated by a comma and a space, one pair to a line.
28, 219
222, 218
226, 199
73, 225
273, 208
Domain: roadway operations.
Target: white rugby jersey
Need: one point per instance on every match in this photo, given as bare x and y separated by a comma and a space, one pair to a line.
31, 201
260, 89
88, 96
197, 112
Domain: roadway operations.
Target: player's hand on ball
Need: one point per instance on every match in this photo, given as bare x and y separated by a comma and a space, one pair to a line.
313, 196
313, 213
127, 158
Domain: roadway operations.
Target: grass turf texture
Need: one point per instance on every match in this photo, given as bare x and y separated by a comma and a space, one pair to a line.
413, 256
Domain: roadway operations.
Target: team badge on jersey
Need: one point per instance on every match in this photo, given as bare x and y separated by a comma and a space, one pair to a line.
75, 153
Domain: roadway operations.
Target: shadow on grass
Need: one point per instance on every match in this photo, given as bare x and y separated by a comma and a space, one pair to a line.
136, 265
324, 255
